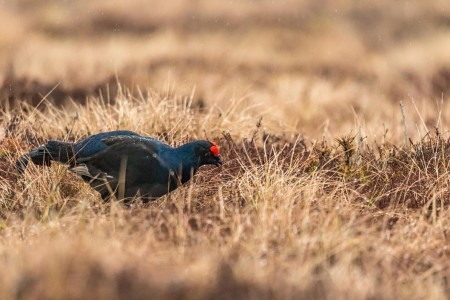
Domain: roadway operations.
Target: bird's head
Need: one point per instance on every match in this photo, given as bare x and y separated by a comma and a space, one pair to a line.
193, 155
208, 153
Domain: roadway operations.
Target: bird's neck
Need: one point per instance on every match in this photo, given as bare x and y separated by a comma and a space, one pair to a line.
188, 162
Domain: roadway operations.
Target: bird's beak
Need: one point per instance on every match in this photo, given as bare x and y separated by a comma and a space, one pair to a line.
218, 162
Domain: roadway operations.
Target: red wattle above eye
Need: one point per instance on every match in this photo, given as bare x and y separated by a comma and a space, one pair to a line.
215, 150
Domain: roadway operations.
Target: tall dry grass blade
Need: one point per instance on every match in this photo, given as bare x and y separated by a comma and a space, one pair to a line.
122, 176
405, 128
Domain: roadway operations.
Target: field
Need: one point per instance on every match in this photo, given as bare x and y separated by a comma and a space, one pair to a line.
333, 120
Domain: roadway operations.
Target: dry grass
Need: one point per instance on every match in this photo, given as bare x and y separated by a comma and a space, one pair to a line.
319, 196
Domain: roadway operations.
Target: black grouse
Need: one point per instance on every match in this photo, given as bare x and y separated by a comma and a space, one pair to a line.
127, 164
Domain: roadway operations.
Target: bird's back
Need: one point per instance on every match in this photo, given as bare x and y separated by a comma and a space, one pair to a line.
95, 143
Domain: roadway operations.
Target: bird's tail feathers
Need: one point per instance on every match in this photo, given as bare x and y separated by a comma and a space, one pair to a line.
43, 155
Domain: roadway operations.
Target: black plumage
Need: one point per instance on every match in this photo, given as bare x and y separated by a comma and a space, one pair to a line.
126, 164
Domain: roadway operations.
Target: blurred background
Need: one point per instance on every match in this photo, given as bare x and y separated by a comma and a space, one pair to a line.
306, 63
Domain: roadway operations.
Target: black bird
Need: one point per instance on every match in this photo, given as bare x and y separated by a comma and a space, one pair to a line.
126, 164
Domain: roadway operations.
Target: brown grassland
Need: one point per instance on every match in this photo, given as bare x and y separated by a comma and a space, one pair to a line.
329, 190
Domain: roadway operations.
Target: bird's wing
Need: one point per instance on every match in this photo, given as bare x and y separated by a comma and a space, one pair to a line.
139, 155
94, 143
129, 145
133, 143
126, 165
